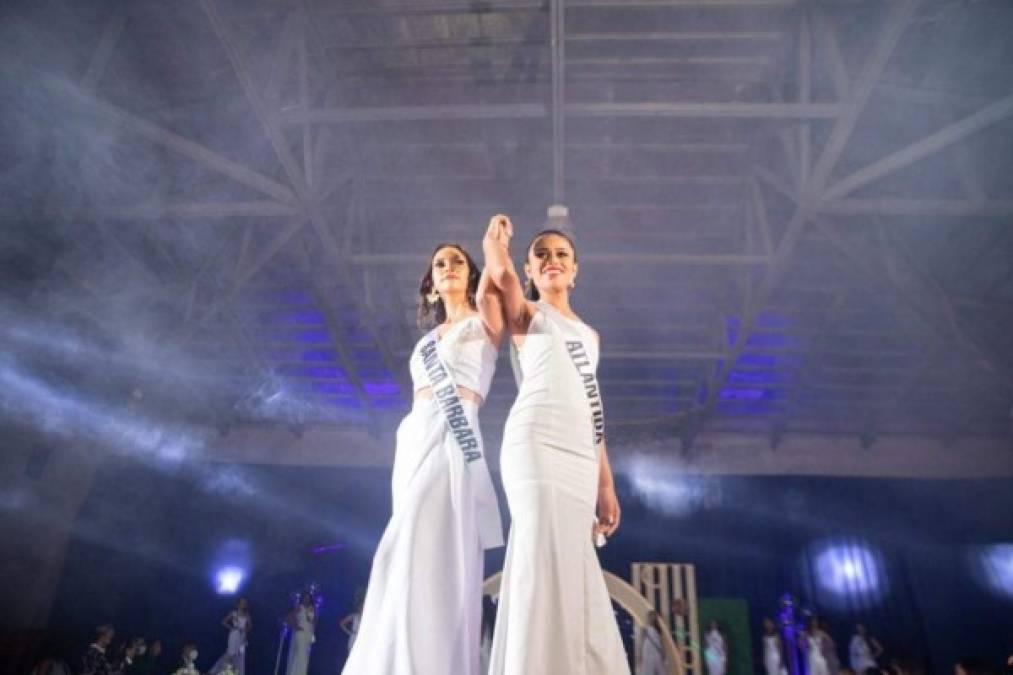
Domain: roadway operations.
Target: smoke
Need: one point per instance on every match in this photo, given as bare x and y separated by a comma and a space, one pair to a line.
665, 486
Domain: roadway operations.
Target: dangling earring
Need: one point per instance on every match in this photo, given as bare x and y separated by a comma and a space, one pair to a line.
573, 284
433, 297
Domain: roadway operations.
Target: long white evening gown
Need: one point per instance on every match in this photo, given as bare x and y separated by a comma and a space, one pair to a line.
860, 654
772, 661
423, 608
814, 654
654, 652
555, 616
715, 653
301, 643
235, 651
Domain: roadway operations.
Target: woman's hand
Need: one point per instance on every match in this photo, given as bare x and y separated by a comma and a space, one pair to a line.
608, 511
500, 230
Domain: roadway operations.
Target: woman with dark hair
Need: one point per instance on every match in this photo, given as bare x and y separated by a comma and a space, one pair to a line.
554, 614
423, 607
302, 621
239, 624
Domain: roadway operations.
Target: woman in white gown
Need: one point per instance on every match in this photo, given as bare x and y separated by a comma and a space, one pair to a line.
238, 623
773, 660
715, 651
812, 641
302, 621
829, 648
555, 616
423, 606
863, 650
652, 652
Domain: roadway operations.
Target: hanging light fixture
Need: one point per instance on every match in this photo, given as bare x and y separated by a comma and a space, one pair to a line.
558, 215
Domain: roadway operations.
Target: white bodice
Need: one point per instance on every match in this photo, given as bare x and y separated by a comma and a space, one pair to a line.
467, 351
552, 407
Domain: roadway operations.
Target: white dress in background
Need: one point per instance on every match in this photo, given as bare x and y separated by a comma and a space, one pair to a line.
654, 653
814, 654
772, 655
423, 608
301, 643
235, 651
860, 654
555, 616
715, 653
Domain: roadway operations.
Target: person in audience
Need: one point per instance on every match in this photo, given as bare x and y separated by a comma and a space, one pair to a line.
95, 660
150, 662
188, 660
127, 661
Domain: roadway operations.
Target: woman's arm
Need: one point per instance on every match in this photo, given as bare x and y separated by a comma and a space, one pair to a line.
490, 308
608, 502
227, 621
503, 274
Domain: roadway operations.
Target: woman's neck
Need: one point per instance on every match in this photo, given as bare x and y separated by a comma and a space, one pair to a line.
559, 299
457, 308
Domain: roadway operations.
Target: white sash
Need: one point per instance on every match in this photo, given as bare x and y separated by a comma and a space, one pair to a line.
586, 374
444, 389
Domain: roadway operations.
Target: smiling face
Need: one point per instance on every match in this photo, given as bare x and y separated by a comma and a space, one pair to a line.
551, 264
450, 271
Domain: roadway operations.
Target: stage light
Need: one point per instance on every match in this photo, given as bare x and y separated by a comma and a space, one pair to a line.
228, 580
995, 568
847, 575
230, 566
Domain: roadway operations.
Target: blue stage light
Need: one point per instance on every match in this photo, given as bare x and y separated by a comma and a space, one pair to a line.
848, 575
228, 580
995, 566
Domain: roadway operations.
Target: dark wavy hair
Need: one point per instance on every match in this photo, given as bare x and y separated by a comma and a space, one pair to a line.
530, 292
430, 316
